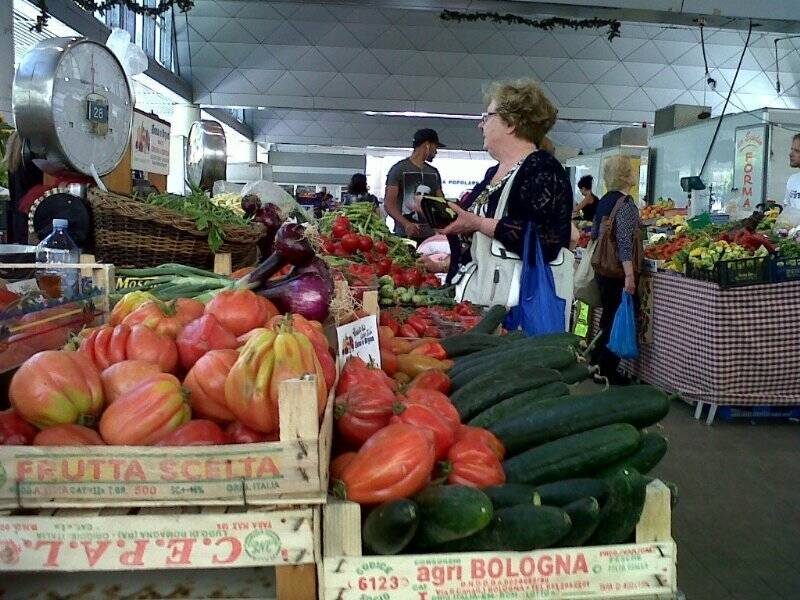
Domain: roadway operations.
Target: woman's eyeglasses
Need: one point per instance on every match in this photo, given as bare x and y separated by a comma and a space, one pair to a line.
485, 117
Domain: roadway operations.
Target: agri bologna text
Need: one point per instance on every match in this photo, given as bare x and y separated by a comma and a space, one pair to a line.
122, 470
506, 567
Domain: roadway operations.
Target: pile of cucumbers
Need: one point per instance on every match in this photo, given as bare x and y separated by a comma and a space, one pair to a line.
576, 464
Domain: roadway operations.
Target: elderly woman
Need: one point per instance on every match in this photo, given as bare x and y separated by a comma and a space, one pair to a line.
619, 177
527, 186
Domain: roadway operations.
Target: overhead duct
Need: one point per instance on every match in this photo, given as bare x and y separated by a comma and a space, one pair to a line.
626, 136
677, 116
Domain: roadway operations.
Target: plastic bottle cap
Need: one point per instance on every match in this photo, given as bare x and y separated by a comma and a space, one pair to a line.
60, 223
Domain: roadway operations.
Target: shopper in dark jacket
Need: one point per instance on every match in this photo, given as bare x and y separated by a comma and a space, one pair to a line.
22, 176
619, 177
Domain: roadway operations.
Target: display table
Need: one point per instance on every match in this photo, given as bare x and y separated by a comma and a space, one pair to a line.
735, 347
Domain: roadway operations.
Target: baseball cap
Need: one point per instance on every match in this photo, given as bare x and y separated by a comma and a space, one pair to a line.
427, 135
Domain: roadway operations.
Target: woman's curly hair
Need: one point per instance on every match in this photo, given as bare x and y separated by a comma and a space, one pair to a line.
522, 103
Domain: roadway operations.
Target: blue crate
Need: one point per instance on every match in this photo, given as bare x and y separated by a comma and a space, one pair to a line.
785, 269
734, 413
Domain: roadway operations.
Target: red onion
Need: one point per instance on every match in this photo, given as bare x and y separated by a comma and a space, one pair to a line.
306, 294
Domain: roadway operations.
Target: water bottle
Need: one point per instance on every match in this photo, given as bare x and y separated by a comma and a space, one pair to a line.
56, 248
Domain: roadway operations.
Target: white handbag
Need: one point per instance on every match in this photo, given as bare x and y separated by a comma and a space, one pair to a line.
493, 275
586, 289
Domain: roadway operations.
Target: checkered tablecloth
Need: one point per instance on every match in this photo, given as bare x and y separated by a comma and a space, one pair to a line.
728, 347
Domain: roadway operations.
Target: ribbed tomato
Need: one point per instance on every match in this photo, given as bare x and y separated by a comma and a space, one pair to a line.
120, 378
247, 393
471, 462
486, 437
239, 311
127, 304
432, 379
437, 401
198, 432
242, 434
151, 346
14, 430
394, 463
147, 413
167, 318
68, 435
201, 335
339, 463
362, 411
357, 371
206, 384
425, 417
53, 387
313, 331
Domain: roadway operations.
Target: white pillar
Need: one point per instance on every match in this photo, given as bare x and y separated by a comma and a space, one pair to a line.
182, 118
7, 64
252, 152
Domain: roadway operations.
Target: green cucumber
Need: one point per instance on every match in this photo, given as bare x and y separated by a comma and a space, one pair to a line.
576, 373
621, 512
585, 517
573, 456
450, 512
517, 528
519, 402
651, 450
554, 418
390, 527
566, 491
467, 343
491, 319
535, 355
501, 383
512, 494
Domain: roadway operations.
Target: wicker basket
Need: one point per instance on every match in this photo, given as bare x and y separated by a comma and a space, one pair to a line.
132, 234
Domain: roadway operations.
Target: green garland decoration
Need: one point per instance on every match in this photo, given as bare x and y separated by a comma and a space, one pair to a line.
548, 24
101, 6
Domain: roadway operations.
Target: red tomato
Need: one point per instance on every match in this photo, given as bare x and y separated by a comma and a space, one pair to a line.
202, 335
413, 277
437, 401
418, 323
394, 463
240, 311
14, 430
388, 361
148, 345
339, 463
472, 463
432, 379
432, 331
167, 318
425, 417
199, 432
242, 434
350, 242
206, 384
342, 220
122, 377
364, 243
328, 247
361, 411
68, 435
433, 349
408, 331
339, 230
357, 371
383, 266
486, 437
382, 248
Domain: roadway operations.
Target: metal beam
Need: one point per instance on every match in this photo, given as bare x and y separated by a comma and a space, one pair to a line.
224, 116
87, 25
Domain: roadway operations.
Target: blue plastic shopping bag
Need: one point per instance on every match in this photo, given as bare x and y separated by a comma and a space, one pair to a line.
539, 310
622, 340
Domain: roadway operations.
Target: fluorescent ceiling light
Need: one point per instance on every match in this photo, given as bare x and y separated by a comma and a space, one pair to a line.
415, 114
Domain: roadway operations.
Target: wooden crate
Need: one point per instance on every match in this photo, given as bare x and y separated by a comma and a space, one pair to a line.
23, 335
152, 552
645, 569
293, 470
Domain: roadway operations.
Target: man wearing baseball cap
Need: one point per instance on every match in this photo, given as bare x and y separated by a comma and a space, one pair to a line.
408, 178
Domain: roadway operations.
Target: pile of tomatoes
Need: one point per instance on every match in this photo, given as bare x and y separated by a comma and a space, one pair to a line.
425, 321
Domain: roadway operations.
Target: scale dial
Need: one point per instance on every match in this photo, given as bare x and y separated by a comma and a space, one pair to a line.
206, 154
72, 101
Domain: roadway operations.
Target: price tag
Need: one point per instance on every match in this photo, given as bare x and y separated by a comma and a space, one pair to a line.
360, 338
97, 113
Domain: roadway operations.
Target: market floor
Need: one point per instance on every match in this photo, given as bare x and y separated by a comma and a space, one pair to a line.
737, 522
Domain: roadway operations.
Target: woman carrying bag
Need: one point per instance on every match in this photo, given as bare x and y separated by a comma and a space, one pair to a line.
617, 254
528, 190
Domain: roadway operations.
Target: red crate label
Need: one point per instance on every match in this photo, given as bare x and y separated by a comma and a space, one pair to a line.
592, 572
